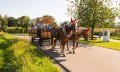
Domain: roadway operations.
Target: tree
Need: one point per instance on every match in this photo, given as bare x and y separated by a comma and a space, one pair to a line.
3, 22
92, 13
12, 22
0, 22
24, 21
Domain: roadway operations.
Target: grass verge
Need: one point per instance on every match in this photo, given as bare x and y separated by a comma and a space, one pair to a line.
20, 56
100, 43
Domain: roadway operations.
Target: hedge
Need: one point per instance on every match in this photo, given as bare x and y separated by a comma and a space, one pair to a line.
15, 30
98, 30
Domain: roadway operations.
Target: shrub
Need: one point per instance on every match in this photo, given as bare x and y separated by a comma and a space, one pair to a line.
15, 30
97, 31
18, 55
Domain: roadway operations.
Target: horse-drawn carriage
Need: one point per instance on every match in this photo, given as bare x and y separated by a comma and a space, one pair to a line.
67, 32
41, 30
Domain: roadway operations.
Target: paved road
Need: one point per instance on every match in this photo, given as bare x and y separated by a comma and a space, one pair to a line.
87, 59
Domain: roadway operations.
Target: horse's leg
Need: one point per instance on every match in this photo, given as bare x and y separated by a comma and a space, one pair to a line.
53, 46
67, 46
55, 40
76, 45
63, 46
60, 45
73, 46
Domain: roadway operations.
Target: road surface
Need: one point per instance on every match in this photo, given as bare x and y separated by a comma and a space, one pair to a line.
87, 58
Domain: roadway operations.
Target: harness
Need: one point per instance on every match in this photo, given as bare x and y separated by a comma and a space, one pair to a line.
64, 32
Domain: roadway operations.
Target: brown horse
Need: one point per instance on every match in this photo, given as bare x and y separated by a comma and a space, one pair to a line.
80, 32
63, 34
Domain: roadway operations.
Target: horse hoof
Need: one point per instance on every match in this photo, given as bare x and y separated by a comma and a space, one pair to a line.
63, 55
75, 47
70, 52
74, 52
52, 49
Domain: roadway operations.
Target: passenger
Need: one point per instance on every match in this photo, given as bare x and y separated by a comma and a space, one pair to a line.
40, 25
34, 28
49, 27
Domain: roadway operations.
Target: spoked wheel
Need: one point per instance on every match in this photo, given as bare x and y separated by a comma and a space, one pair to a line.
40, 41
32, 39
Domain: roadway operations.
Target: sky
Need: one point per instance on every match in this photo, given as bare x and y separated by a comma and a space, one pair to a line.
35, 8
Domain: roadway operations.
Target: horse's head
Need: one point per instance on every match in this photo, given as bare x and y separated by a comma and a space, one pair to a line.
73, 23
86, 33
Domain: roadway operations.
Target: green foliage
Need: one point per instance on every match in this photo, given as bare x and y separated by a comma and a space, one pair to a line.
115, 37
20, 56
24, 20
15, 30
6, 21
112, 30
92, 13
3, 23
12, 22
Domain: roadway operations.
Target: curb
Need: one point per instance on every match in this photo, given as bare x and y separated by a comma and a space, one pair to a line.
64, 69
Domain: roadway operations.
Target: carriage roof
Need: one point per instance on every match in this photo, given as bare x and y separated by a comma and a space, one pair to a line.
45, 20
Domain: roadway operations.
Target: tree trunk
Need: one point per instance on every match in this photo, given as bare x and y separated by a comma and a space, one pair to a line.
100, 33
26, 29
92, 33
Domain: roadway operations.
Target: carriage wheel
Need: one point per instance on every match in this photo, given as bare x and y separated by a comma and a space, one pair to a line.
40, 41
32, 39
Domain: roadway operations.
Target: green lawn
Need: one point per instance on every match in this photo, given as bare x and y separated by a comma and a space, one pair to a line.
99, 42
115, 37
20, 56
